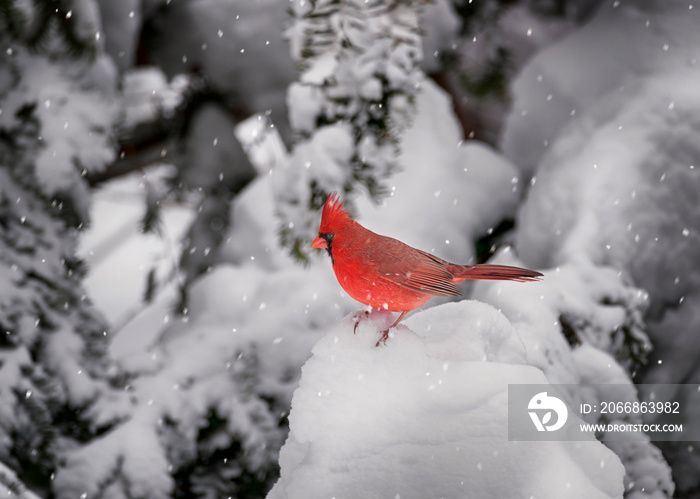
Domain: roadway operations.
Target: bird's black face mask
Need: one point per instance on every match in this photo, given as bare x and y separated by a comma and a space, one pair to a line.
328, 237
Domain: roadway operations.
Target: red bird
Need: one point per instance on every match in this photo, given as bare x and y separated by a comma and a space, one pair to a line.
387, 274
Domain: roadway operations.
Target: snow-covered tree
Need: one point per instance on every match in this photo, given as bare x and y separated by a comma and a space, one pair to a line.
585, 326
56, 119
360, 70
615, 155
199, 408
201, 51
200, 415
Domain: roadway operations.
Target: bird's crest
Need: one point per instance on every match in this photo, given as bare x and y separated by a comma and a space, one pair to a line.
333, 213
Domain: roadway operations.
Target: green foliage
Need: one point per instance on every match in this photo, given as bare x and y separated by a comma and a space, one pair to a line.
360, 69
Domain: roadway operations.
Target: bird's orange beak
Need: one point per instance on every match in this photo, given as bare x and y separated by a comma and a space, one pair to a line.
319, 243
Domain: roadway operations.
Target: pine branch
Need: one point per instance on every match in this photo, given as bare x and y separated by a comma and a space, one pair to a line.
360, 63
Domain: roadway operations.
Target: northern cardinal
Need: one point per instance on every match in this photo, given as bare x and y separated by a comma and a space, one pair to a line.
385, 273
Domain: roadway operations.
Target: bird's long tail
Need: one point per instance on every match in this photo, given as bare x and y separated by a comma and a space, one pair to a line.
494, 273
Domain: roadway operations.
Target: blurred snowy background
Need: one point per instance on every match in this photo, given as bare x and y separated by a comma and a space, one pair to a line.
162, 166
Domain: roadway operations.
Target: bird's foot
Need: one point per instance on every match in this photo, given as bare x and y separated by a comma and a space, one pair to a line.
385, 333
385, 336
362, 315
357, 317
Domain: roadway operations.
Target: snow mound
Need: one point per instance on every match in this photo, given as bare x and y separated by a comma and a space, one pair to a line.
426, 416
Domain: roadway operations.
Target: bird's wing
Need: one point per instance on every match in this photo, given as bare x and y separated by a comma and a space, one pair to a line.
416, 269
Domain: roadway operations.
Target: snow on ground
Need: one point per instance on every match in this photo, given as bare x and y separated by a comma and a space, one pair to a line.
426, 416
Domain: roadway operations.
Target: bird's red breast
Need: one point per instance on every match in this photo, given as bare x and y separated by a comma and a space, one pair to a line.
385, 273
